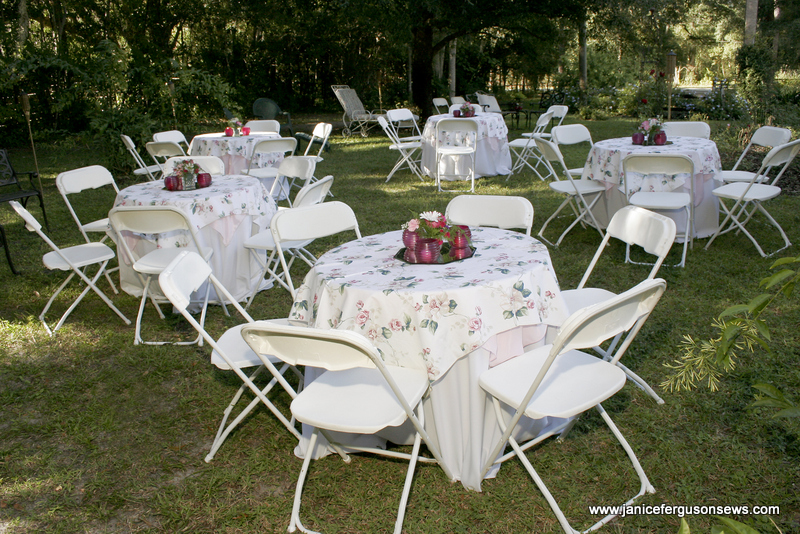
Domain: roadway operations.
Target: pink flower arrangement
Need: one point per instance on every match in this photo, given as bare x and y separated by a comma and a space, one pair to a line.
429, 225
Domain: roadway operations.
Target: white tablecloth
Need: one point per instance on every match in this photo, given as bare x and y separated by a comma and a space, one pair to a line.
493, 155
236, 151
604, 163
453, 320
224, 215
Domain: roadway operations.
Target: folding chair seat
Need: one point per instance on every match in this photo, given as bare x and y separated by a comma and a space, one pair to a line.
499, 211
161, 151
269, 175
262, 245
76, 259
455, 140
172, 136
185, 275
358, 393
687, 129
575, 191
632, 225
406, 150
403, 119
210, 164
264, 126
667, 164
142, 169
440, 104
572, 134
525, 148
11, 188
747, 198
561, 381
155, 220
765, 136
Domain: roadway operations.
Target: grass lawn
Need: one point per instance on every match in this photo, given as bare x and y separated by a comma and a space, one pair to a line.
98, 435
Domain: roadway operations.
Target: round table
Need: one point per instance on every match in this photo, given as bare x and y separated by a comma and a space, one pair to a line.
235, 151
604, 163
224, 215
493, 156
454, 320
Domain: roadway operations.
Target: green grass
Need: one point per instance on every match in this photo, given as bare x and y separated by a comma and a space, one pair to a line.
98, 435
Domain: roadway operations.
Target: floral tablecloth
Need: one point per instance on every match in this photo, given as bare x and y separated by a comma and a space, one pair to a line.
604, 164
224, 214
429, 316
493, 154
235, 152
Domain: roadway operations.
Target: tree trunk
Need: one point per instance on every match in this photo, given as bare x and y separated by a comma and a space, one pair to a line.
750, 19
24, 26
422, 68
452, 68
584, 81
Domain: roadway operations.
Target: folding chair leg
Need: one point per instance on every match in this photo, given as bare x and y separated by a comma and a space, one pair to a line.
639, 381
295, 522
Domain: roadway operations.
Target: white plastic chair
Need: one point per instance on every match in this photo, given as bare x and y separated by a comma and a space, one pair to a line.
142, 168
296, 171
687, 129
764, 136
440, 104
210, 164
320, 134
575, 191
264, 126
299, 225
498, 211
572, 134
125, 220
457, 100
173, 136
262, 245
184, 276
559, 112
161, 151
268, 175
403, 118
490, 105
632, 225
524, 148
462, 136
747, 198
561, 381
76, 259
667, 164
406, 151
358, 393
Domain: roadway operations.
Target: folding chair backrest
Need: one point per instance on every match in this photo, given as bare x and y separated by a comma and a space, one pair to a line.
264, 126
779, 155
210, 164
312, 222
164, 149
489, 103
322, 131
670, 164
30, 221
313, 193
174, 136
149, 220
390, 133
129, 144
499, 211
571, 134
552, 154
298, 167
83, 179
633, 225
440, 104
463, 126
457, 100
688, 129
559, 112
770, 136
287, 145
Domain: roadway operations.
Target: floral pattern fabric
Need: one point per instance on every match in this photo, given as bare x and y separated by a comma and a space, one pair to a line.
429, 316
217, 144
604, 164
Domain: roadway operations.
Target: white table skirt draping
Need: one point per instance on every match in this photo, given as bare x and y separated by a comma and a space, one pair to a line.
493, 156
454, 320
224, 215
604, 164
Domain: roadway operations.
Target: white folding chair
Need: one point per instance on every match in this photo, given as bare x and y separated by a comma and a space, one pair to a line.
632, 225
559, 112
440, 104
561, 381
572, 134
142, 168
76, 259
126, 220
747, 198
299, 225
295, 171
575, 191
457, 100
765, 136
687, 129
77, 181
358, 393
499, 211
262, 245
172, 136
161, 151
264, 126
403, 118
662, 164
456, 139
406, 151
179, 280
210, 164
524, 148
490, 105
268, 175
320, 134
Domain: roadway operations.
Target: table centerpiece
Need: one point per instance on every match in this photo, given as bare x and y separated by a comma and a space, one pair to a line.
429, 238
